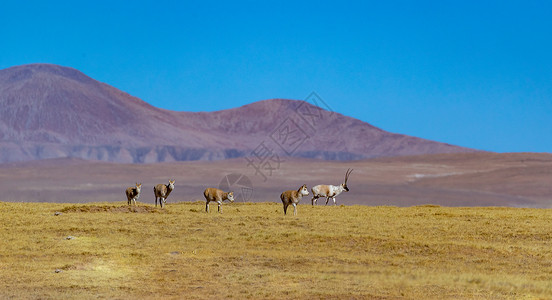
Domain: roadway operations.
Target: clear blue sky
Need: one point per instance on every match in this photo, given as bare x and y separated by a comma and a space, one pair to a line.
471, 73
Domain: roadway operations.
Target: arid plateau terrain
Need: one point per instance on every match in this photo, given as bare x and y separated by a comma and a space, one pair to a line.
460, 179
422, 220
252, 251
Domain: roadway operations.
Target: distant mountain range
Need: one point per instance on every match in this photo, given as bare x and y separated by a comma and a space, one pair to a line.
50, 111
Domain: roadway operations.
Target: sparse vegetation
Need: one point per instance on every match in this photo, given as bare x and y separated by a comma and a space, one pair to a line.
254, 251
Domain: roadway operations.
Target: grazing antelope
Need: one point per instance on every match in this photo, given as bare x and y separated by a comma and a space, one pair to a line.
293, 197
162, 191
216, 195
133, 193
330, 191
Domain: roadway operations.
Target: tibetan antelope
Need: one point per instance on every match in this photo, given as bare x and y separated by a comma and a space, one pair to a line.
133, 193
162, 191
293, 197
216, 195
330, 191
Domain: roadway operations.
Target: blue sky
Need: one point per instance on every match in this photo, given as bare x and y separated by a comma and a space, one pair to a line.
471, 73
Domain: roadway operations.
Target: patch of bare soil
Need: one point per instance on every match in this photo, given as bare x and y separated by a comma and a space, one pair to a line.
111, 209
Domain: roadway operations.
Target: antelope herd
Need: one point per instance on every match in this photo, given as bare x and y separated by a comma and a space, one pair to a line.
162, 191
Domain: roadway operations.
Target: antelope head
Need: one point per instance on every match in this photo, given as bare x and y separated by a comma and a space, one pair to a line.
171, 184
138, 187
231, 197
344, 184
303, 190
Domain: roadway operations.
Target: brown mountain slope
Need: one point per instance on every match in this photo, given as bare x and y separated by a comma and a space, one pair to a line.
320, 133
49, 111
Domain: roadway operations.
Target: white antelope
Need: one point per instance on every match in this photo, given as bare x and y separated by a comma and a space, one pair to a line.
162, 191
330, 191
133, 193
293, 197
216, 195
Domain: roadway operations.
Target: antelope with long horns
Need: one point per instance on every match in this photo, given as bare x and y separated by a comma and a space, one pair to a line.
330, 191
162, 191
216, 195
133, 193
293, 197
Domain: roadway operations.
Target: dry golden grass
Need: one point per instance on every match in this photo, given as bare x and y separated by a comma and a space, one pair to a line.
254, 251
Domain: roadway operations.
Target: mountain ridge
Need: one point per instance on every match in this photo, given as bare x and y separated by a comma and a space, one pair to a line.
50, 111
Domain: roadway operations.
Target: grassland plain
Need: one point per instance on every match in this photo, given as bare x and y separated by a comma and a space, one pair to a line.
254, 251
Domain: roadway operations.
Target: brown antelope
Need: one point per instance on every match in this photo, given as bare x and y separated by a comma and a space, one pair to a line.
133, 193
216, 195
293, 197
162, 191
330, 191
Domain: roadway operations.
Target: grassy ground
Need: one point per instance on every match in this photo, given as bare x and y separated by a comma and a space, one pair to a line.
253, 251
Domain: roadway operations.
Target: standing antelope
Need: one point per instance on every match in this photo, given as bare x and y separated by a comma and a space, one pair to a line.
133, 193
330, 191
216, 195
162, 191
293, 197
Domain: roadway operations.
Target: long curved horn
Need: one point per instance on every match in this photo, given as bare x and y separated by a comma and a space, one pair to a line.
349, 171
